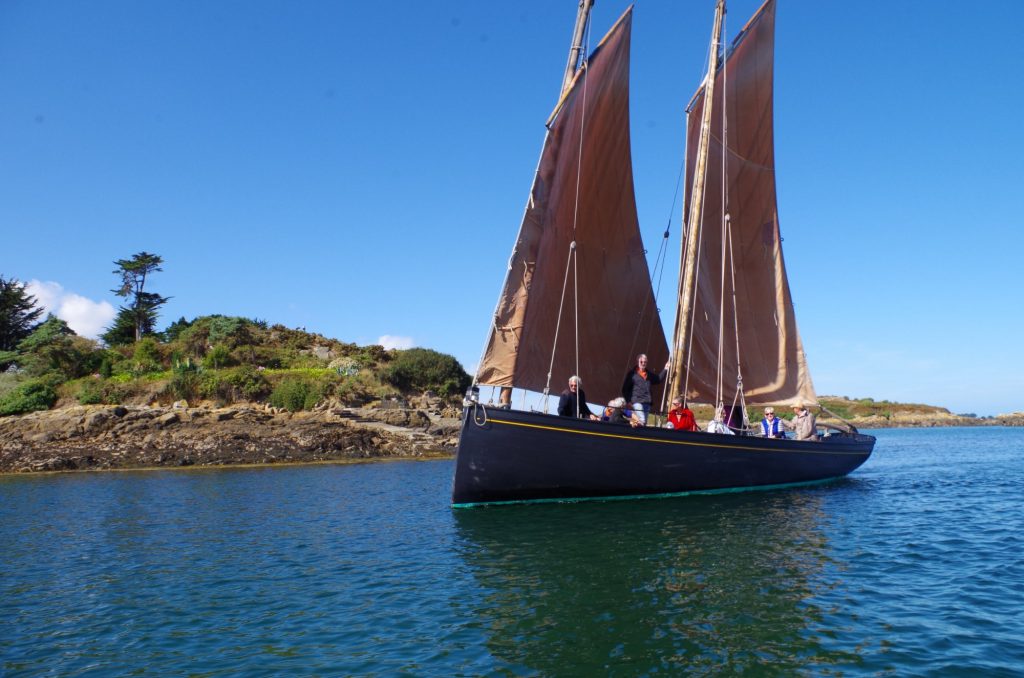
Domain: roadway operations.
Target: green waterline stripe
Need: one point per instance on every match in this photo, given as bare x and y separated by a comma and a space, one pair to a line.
663, 495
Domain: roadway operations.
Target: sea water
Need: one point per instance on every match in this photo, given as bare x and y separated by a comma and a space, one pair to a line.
912, 565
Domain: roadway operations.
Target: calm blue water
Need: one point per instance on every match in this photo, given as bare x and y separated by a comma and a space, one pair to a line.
913, 565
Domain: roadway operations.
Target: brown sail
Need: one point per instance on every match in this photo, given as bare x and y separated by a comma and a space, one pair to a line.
583, 193
771, 356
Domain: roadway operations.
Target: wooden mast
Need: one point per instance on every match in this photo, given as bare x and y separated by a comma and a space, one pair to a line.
575, 49
582, 14
689, 254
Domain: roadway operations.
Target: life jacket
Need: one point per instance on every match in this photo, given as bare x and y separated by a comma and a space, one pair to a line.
773, 429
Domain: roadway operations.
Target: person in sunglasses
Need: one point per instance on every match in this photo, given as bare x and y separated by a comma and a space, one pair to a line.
771, 426
573, 402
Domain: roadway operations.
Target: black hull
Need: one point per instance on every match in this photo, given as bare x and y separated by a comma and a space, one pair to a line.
510, 456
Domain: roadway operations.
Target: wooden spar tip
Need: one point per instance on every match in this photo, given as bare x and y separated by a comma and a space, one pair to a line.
732, 48
571, 83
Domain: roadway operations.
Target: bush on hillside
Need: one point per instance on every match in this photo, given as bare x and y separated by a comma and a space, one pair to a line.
146, 356
423, 369
184, 383
53, 348
232, 385
30, 396
296, 393
219, 356
90, 391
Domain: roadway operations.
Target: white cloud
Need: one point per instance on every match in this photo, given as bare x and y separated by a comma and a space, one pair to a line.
86, 317
389, 342
46, 293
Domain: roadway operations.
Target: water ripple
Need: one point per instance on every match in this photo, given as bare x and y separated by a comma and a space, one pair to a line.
913, 565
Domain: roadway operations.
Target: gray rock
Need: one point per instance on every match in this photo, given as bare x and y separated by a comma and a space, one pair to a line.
168, 419
96, 421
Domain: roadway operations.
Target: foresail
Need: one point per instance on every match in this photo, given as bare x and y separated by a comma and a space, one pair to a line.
586, 153
772, 360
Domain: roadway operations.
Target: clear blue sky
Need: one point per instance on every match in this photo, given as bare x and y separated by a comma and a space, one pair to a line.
360, 168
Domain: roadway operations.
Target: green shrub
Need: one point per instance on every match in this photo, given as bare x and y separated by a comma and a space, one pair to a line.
32, 395
219, 356
228, 386
8, 382
374, 354
423, 369
146, 356
53, 347
115, 394
223, 327
362, 388
184, 383
296, 393
263, 356
175, 329
90, 391
106, 367
249, 382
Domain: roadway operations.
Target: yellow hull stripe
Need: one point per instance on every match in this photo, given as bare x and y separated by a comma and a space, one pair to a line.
670, 442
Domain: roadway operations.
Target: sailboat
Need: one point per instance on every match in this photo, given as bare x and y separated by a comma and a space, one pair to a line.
578, 299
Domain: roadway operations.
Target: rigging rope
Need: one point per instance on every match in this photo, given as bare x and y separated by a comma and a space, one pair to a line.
726, 155
558, 323
725, 223
572, 261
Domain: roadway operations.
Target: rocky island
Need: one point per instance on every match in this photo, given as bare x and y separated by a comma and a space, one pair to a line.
221, 390
100, 437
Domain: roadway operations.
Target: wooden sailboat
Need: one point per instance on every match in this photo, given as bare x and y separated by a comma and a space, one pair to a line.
578, 299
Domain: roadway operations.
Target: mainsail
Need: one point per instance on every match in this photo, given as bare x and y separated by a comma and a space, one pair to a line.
763, 327
583, 193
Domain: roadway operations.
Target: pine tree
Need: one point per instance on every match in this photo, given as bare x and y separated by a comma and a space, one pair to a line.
142, 311
18, 313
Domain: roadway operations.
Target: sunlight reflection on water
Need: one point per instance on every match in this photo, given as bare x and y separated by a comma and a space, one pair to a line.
911, 564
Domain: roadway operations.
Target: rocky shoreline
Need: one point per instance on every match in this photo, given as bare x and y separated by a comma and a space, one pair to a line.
93, 437
96, 437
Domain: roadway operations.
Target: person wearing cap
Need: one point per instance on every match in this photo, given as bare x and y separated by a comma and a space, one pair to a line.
771, 427
573, 402
803, 424
680, 417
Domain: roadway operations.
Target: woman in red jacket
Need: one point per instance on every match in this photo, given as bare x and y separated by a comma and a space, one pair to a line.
681, 418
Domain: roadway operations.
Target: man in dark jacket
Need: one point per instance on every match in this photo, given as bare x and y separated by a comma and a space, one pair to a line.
636, 388
573, 402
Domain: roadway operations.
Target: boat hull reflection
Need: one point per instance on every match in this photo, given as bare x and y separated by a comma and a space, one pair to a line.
711, 585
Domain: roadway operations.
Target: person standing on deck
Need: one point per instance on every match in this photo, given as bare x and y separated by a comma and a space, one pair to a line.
636, 388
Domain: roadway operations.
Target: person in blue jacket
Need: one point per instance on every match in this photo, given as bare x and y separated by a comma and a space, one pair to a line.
771, 427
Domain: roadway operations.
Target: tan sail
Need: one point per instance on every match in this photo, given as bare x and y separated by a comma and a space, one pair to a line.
772, 360
583, 193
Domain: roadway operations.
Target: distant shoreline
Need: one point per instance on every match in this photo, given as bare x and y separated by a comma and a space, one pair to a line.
102, 438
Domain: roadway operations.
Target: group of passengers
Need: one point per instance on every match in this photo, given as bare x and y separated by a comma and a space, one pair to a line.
634, 406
